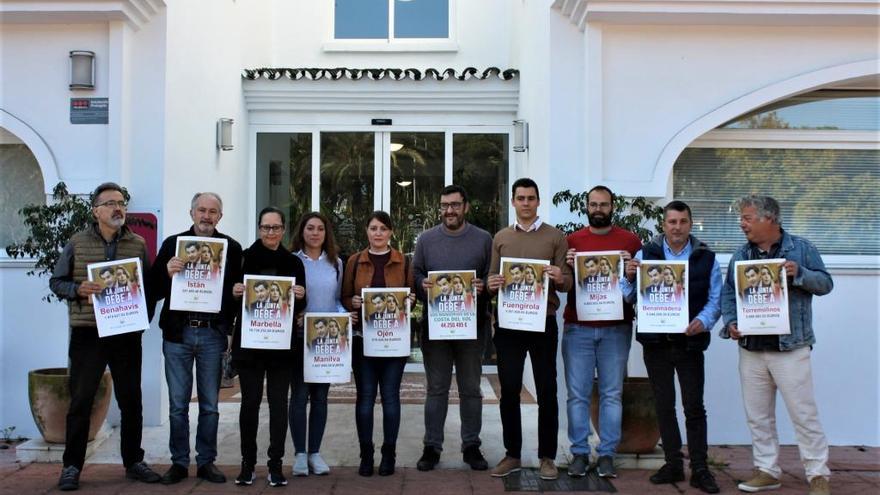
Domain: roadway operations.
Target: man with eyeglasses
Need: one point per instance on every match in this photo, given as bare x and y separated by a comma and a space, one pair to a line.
107, 238
195, 337
454, 244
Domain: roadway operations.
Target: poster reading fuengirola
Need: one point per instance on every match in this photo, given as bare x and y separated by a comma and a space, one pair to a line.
199, 286
597, 285
522, 301
663, 296
385, 316
761, 297
326, 348
267, 312
121, 307
452, 305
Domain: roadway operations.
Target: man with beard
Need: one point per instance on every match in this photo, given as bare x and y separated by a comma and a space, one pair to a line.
596, 346
454, 244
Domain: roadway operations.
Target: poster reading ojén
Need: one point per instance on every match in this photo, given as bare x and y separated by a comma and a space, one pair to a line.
267, 312
761, 297
663, 296
199, 286
326, 348
597, 285
385, 316
121, 306
522, 301
452, 305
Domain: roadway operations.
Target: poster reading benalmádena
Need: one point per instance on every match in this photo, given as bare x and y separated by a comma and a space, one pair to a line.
326, 348
452, 305
597, 291
199, 286
121, 307
761, 297
522, 302
267, 312
663, 296
385, 313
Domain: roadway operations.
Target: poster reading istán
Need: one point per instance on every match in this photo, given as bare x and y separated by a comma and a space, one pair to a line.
663, 296
326, 348
267, 312
452, 305
522, 301
761, 297
199, 286
121, 307
597, 290
385, 313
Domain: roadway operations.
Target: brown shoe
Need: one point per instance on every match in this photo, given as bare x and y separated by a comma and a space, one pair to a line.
760, 482
819, 486
506, 466
548, 470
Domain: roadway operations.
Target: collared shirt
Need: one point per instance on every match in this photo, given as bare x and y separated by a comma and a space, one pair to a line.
535, 226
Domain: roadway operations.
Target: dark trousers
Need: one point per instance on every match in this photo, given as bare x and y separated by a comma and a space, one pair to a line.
250, 376
89, 357
512, 347
374, 375
662, 362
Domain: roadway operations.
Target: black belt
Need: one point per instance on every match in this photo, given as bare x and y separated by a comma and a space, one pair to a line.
199, 323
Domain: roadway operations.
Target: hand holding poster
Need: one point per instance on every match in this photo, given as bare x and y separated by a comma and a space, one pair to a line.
199, 286
385, 316
597, 291
761, 297
267, 312
452, 308
663, 296
522, 302
121, 307
326, 349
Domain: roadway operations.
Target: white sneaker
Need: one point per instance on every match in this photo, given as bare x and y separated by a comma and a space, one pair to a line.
301, 465
317, 464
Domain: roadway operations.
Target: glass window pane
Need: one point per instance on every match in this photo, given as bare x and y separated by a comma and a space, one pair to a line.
361, 19
284, 175
416, 182
480, 164
21, 183
823, 110
347, 173
421, 18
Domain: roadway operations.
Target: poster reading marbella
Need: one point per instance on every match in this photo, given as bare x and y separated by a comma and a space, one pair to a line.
326, 349
761, 297
199, 286
597, 276
267, 312
452, 308
663, 299
385, 313
522, 301
121, 307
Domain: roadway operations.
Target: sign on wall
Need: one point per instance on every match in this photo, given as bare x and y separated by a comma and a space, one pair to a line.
89, 110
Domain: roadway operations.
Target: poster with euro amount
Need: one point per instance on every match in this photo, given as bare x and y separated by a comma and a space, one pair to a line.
267, 312
761, 297
597, 285
522, 300
663, 296
199, 286
326, 348
121, 306
385, 313
452, 305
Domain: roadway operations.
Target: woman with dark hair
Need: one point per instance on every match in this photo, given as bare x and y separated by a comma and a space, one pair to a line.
314, 244
376, 266
266, 256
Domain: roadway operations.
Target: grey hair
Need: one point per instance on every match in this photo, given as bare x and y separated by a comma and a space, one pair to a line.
198, 195
766, 207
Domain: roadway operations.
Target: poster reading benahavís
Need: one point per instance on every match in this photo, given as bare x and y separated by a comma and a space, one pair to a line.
522, 301
761, 297
121, 307
597, 285
326, 349
385, 316
199, 286
663, 296
452, 305
267, 311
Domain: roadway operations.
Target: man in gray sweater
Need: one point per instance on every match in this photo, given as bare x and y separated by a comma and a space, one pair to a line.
454, 244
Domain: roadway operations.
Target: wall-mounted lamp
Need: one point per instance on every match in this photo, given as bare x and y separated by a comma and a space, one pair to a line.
520, 135
82, 69
224, 134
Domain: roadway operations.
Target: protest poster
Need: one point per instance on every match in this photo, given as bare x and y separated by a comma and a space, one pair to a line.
452, 305
663, 297
121, 307
522, 301
597, 276
326, 348
385, 316
267, 312
199, 286
761, 297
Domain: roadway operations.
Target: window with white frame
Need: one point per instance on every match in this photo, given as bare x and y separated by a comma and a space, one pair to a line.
391, 19
21, 183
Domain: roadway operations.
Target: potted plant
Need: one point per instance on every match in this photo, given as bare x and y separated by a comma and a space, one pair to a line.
639, 430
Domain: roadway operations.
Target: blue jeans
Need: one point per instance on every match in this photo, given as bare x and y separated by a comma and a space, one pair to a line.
585, 351
302, 394
205, 346
373, 375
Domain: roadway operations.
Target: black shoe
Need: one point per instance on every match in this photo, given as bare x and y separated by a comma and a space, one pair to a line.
276, 477
668, 473
366, 467
140, 471
605, 467
430, 458
69, 479
175, 474
209, 472
389, 457
474, 458
578, 466
247, 476
703, 479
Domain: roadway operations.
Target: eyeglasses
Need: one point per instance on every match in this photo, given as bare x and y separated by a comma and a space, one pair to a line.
271, 228
455, 206
596, 206
114, 204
